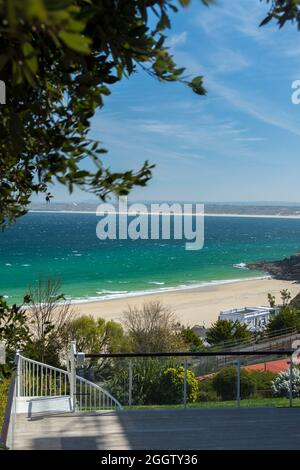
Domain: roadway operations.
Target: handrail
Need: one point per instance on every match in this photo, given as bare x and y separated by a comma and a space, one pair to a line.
98, 387
283, 352
37, 379
260, 338
32, 361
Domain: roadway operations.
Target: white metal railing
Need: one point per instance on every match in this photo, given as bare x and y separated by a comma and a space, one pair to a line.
86, 395
92, 397
35, 379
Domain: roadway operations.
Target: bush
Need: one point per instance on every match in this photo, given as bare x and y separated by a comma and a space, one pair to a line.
146, 388
205, 396
172, 384
225, 383
287, 318
154, 383
4, 386
225, 330
281, 385
263, 380
207, 391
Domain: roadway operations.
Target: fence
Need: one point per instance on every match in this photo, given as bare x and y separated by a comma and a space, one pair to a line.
281, 339
189, 379
36, 379
182, 379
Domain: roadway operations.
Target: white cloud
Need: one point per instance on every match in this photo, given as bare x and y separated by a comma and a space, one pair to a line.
253, 105
250, 139
177, 39
257, 108
229, 61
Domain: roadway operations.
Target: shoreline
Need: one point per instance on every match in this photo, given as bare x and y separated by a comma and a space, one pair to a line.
164, 290
260, 216
198, 305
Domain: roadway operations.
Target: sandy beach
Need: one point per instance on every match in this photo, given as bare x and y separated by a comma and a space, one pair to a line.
201, 305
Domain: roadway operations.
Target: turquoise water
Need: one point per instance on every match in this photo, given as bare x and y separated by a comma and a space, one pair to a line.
66, 246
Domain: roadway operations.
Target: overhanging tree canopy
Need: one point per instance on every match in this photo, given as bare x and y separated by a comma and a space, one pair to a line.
58, 59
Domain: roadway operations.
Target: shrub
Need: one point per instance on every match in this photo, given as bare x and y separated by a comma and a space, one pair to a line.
288, 317
225, 330
146, 388
207, 391
281, 385
209, 395
263, 380
172, 385
154, 383
4, 386
225, 383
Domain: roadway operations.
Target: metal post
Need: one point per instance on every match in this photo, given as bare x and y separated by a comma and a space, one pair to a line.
19, 371
238, 383
73, 375
184, 383
130, 384
291, 383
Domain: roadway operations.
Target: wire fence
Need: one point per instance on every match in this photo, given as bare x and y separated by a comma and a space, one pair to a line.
208, 379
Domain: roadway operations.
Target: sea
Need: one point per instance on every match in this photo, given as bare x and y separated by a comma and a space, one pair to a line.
64, 246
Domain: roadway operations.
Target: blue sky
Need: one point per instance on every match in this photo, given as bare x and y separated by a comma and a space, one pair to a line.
241, 142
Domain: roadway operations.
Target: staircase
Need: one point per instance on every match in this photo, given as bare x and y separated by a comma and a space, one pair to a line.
40, 388
44, 388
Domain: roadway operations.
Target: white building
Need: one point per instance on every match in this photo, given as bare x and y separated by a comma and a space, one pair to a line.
256, 318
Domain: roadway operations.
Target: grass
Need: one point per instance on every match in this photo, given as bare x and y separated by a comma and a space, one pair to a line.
277, 402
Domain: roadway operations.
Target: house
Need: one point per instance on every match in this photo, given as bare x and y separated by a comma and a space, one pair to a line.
200, 331
256, 318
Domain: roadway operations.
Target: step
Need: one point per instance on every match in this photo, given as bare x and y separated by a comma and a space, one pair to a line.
31, 405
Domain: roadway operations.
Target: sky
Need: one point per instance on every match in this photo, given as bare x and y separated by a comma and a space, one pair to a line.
241, 141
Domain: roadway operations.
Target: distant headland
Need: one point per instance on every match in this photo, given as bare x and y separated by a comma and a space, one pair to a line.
284, 210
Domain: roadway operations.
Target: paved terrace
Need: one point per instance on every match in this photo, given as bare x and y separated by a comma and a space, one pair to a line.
245, 428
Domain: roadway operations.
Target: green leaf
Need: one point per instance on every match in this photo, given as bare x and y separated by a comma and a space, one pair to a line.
76, 42
36, 9
266, 20
197, 86
184, 3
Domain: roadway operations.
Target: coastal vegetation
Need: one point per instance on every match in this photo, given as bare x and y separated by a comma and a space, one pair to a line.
281, 384
154, 328
223, 331
287, 318
48, 313
14, 327
46, 323
224, 384
4, 386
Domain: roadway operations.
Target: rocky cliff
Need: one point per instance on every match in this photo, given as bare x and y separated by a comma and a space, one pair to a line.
287, 269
